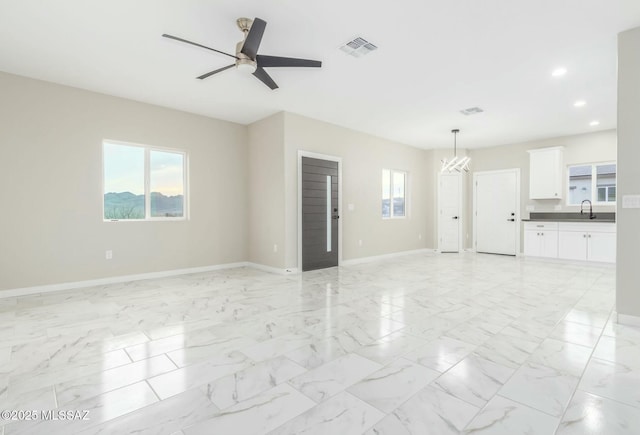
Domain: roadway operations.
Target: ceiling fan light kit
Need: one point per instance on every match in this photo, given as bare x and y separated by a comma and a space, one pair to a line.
455, 164
247, 58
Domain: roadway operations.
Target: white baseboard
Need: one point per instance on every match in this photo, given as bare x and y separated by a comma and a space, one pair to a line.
386, 256
264, 268
24, 291
626, 319
114, 279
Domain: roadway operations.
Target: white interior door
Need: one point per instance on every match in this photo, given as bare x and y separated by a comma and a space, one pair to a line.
496, 212
450, 212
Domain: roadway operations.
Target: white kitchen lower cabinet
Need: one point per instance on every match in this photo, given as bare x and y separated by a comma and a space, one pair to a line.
571, 240
601, 247
572, 245
588, 241
541, 239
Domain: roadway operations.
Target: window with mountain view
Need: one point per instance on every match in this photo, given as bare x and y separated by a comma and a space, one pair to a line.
143, 183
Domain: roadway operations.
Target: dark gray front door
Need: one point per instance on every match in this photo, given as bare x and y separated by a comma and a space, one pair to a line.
319, 213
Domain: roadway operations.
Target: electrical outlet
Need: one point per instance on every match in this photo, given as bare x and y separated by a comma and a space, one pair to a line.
275, 248
558, 207
359, 242
108, 254
419, 236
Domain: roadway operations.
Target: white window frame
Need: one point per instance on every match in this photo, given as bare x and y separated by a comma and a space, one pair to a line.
406, 193
147, 182
594, 181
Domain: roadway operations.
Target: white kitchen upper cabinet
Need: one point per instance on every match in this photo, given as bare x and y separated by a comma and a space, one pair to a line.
545, 173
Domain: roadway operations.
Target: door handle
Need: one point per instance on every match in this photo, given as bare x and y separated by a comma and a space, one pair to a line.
455, 217
511, 220
335, 217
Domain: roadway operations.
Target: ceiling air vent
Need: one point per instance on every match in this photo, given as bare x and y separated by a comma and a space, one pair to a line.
471, 111
358, 47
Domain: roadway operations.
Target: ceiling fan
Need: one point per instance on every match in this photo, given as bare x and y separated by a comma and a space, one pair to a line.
247, 57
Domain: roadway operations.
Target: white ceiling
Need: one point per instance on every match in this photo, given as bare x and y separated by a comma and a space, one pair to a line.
434, 59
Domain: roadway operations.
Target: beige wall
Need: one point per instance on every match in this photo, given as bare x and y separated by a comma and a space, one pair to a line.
243, 186
363, 158
585, 148
628, 291
266, 192
51, 228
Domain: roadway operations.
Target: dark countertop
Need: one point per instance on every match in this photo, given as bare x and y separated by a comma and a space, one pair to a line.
601, 217
606, 221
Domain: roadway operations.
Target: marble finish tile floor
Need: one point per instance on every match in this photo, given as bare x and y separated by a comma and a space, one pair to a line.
420, 344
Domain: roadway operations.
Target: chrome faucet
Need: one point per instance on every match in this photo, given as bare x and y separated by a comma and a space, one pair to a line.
591, 215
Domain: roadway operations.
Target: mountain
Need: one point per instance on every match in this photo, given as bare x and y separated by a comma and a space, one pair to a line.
126, 205
166, 206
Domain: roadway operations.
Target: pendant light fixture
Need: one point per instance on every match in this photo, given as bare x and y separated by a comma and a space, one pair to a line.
455, 164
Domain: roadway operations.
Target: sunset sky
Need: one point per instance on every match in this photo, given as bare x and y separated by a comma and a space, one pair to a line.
124, 170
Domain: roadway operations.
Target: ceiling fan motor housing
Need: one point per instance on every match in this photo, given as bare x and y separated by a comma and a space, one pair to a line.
244, 24
244, 62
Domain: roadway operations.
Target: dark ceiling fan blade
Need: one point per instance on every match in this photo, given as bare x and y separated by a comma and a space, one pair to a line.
265, 78
197, 45
209, 74
276, 61
252, 42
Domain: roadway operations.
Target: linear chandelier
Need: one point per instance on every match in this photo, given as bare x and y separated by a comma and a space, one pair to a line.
455, 164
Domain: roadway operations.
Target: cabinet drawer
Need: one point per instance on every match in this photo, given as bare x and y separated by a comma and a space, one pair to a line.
540, 225
588, 227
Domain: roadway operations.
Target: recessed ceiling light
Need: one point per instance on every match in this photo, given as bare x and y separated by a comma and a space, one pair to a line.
594, 123
559, 72
580, 103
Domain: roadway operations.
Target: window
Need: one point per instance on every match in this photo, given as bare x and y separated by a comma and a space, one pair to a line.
596, 182
393, 194
143, 183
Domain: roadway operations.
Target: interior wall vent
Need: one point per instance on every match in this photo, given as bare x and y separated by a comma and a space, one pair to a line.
471, 111
358, 47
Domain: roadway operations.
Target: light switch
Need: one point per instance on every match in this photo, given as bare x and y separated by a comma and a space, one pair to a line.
351, 207
630, 201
